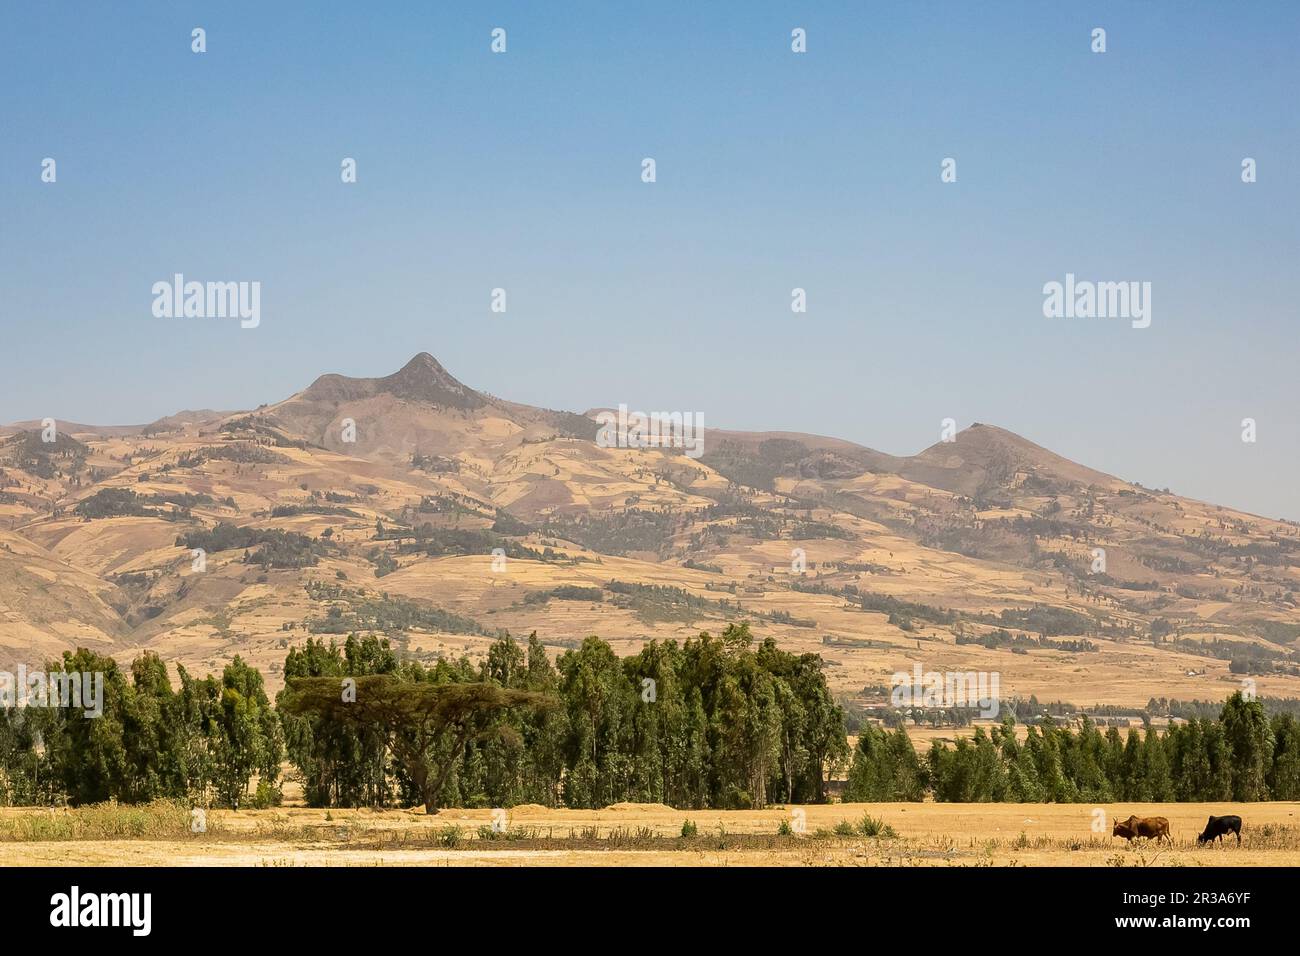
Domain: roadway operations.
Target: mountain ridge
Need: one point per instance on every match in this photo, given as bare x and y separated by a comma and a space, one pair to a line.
423, 380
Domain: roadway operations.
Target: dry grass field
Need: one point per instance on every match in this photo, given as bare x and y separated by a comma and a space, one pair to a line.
924, 834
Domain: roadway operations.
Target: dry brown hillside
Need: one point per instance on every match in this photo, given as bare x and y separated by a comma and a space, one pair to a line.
973, 554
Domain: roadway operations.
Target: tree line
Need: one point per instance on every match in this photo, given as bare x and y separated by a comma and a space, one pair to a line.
719, 721
205, 741
1242, 756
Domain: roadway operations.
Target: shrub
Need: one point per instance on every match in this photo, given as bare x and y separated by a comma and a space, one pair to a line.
870, 826
450, 837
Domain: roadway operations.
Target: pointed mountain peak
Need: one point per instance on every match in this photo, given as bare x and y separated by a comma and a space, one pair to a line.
423, 362
983, 456
423, 379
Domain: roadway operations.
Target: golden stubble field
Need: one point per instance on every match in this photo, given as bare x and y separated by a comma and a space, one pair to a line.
927, 834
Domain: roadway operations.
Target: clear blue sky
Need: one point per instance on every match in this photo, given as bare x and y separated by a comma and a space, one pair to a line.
775, 170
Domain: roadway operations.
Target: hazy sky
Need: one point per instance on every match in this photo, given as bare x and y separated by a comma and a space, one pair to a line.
775, 170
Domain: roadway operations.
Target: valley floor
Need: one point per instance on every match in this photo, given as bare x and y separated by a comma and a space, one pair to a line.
927, 834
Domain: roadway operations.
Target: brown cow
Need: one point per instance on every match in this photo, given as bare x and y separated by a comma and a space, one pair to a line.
1156, 828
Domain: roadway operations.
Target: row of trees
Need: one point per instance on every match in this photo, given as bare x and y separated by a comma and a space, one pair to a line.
206, 742
1241, 756
719, 721
715, 722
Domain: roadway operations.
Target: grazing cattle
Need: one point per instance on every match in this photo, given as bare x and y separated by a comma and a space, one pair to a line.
1221, 827
1149, 828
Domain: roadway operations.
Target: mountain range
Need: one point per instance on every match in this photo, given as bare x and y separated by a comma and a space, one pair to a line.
439, 516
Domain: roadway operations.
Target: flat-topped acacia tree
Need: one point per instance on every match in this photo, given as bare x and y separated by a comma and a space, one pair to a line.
425, 725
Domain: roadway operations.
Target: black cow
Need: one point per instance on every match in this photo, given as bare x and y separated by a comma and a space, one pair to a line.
1220, 827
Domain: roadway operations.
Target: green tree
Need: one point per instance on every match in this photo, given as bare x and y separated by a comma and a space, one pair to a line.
89, 752
241, 733
1250, 741
885, 768
1193, 776
1157, 783
341, 764
426, 724
1284, 774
